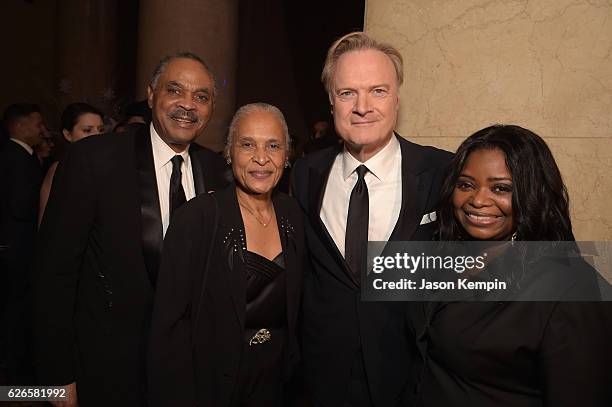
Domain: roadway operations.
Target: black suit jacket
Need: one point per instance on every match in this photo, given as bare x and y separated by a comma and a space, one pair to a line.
198, 325
20, 178
96, 265
336, 323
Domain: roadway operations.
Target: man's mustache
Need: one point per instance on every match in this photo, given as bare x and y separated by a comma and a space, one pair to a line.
183, 114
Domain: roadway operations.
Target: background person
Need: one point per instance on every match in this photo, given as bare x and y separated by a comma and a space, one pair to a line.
44, 151
79, 120
20, 178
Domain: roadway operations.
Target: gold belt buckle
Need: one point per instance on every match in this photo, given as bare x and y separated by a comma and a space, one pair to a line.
261, 336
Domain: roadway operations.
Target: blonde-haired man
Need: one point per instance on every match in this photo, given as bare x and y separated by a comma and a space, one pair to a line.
375, 186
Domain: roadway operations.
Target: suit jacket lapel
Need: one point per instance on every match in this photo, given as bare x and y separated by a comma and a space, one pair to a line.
288, 244
203, 175
199, 175
152, 229
317, 183
237, 288
415, 190
234, 238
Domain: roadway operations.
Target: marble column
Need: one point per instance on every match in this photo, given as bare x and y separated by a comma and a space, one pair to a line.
209, 28
86, 52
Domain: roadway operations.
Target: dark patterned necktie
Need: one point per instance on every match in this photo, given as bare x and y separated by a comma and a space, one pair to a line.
356, 239
177, 193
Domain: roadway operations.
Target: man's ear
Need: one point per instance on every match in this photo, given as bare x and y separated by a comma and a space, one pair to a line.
397, 95
150, 96
17, 125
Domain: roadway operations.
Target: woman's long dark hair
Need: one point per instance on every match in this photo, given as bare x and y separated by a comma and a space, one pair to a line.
540, 203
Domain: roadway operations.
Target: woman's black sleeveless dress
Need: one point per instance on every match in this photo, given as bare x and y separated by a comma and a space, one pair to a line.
261, 370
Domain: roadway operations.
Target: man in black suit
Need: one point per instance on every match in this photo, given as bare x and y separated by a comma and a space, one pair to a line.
102, 233
376, 186
20, 178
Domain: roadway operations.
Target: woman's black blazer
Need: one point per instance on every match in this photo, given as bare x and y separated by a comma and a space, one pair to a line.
198, 321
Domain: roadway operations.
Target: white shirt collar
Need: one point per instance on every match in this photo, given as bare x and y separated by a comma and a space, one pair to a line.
27, 147
380, 165
162, 153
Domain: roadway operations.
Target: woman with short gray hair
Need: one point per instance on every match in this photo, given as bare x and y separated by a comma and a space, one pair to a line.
224, 320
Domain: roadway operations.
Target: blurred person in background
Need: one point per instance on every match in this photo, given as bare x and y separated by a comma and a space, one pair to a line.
20, 178
323, 136
44, 151
136, 115
79, 120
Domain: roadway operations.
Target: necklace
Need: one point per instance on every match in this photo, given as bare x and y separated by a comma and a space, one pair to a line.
264, 224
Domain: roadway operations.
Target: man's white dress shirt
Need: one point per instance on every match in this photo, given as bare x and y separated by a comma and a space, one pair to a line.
384, 181
162, 154
27, 147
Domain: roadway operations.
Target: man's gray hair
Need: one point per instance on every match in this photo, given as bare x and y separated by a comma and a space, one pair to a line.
358, 41
251, 108
163, 63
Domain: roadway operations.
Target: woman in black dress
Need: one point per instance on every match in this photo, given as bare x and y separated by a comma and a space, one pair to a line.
223, 328
504, 184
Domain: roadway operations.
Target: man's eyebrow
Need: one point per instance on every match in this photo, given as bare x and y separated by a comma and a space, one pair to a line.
180, 85
341, 88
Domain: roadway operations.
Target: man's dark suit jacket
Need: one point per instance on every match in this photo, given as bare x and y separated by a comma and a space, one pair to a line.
336, 323
96, 265
20, 178
199, 318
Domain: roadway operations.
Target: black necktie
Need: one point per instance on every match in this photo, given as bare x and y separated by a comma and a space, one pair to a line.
177, 193
356, 239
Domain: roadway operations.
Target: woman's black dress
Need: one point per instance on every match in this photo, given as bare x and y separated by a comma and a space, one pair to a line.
261, 369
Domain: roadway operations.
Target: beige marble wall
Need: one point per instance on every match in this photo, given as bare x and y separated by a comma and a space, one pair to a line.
542, 64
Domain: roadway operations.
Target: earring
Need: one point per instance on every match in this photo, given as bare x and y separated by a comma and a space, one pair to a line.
287, 164
513, 238
331, 109
228, 160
